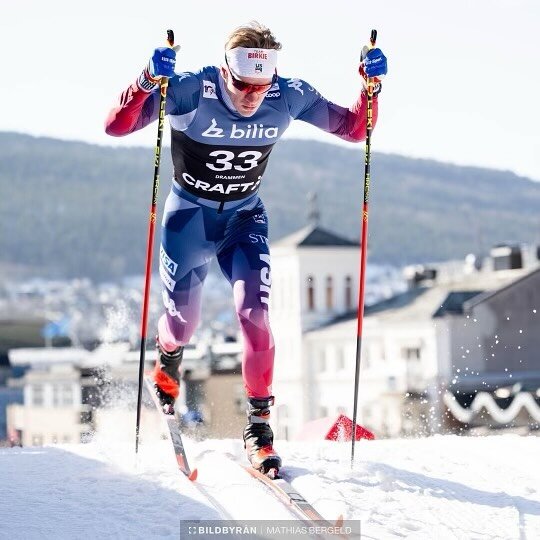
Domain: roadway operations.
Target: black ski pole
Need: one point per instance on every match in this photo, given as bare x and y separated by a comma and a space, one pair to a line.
150, 244
363, 249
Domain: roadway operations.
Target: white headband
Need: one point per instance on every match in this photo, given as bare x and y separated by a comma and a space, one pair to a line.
253, 63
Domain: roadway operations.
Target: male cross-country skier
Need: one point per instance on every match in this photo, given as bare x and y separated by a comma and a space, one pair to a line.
224, 124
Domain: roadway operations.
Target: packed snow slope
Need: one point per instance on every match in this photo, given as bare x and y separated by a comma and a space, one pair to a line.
436, 488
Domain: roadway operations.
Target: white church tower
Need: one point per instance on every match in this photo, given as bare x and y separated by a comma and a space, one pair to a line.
314, 280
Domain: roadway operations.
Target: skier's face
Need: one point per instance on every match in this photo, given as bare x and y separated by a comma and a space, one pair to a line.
245, 100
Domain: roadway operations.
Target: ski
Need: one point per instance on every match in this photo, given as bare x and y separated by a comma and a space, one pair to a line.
282, 489
287, 494
174, 431
279, 485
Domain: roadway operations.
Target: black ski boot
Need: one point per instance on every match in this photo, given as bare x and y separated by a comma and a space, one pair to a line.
167, 377
258, 437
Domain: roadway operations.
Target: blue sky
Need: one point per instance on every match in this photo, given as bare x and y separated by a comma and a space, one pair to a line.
462, 87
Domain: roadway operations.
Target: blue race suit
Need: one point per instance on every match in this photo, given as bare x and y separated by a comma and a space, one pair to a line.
213, 208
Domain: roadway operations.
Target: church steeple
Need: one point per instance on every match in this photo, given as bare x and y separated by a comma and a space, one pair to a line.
314, 216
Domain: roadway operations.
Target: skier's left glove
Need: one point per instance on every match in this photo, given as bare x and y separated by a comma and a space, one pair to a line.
373, 65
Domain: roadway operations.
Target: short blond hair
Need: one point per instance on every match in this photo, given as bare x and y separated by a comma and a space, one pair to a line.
253, 35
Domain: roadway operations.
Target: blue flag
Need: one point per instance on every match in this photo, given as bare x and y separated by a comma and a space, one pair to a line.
56, 328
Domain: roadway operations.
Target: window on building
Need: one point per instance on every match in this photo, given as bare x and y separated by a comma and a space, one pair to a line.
348, 293
329, 293
284, 433
37, 440
282, 412
323, 411
321, 361
85, 417
311, 293
282, 415
376, 351
365, 359
37, 395
411, 353
274, 299
62, 395
340, 359
239, 399
66, 395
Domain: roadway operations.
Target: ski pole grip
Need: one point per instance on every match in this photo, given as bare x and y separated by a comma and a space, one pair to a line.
170, 38
373, 37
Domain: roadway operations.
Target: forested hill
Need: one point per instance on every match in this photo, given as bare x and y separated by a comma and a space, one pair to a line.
75, 209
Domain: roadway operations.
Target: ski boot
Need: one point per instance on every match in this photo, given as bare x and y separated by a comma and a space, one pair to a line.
258, 437
167, 377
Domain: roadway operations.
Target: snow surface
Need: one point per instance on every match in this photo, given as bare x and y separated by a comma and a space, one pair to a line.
434, 488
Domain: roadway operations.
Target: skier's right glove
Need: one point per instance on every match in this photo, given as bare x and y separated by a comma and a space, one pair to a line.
160, 65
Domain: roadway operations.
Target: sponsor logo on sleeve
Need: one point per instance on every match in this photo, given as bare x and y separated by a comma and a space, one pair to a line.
209, 90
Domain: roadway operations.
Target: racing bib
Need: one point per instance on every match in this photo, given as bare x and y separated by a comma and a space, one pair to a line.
216, 172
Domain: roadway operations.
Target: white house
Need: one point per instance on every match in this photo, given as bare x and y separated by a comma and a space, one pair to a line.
314, 280
418, 348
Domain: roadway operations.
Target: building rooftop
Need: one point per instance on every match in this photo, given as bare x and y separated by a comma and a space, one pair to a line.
470, 303
424, 302
314, 236
454, 302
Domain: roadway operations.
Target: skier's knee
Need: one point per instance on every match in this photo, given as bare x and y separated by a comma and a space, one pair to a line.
255, 327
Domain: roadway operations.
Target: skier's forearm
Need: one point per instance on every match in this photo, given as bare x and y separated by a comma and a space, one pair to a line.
128, 115
357, 119
373, 66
